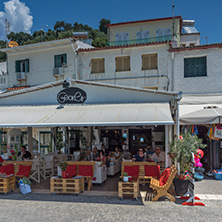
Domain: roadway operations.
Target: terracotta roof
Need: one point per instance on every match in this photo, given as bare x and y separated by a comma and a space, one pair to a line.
122, 46
197, 47
140, 21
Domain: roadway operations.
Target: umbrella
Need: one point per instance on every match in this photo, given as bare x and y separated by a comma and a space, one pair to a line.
207, 115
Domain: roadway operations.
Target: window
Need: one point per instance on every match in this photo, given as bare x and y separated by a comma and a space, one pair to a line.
98, 65
142, 37
22, 65
149, 61
122, 63
122, 38
163, 35
60, 60
194, 67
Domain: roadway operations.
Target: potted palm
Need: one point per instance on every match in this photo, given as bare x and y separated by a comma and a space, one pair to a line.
180, 152
63, 167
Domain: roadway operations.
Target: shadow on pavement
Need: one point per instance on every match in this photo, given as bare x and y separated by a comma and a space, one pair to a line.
71, 198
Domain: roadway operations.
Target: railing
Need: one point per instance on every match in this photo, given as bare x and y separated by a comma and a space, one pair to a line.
140, 41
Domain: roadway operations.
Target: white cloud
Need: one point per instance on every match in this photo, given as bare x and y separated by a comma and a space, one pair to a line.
19, 16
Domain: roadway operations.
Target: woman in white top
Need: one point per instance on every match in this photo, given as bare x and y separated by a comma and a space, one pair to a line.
117, 153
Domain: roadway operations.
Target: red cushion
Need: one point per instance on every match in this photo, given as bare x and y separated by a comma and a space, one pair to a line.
164, 176
24, 170
86, 170
7, 169
1, 160
132, 171
71, 171
152, 171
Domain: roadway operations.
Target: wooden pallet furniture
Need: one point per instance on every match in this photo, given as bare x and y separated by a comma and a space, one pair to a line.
129, 188
67, 185
17, 163
7, 184
88, 179
163, 190
142, 177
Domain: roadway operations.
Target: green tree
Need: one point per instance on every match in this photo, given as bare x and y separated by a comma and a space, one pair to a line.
103, 25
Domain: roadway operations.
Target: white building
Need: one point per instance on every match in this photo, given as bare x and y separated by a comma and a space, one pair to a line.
3, 75
42, 62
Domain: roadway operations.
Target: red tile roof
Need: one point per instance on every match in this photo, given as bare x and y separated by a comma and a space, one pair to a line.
197, 47
140, 21
122, 46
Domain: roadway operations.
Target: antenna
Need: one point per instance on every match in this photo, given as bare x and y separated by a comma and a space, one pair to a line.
7, 30
173, 16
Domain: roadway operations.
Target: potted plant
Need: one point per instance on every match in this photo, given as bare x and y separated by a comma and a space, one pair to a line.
63, 167
125, 177
180, 152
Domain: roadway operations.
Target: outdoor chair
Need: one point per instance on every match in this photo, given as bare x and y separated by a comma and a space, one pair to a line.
47, 167
35, 171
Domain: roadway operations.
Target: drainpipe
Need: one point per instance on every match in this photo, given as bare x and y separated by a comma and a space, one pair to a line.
75, 75
172, 73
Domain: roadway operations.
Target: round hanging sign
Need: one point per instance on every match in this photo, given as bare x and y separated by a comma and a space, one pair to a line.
71, 95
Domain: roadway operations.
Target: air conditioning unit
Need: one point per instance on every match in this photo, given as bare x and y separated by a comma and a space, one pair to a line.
21, 76
58, 71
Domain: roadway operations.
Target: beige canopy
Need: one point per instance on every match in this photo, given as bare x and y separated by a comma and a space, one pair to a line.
86, 115
206, 115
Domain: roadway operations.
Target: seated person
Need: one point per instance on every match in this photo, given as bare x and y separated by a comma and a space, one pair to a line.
117, 153
140, 156
24, 154
158, 156
101, 157
95, 153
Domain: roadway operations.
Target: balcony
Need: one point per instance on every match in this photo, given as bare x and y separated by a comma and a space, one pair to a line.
140, 41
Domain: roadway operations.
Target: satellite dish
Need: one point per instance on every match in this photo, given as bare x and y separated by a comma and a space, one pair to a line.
12, 44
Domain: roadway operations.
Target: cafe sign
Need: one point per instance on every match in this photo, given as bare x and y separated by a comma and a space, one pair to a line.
71, 95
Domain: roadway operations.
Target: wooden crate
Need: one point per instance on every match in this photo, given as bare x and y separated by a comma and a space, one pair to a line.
7, 184
67, 185
128, 188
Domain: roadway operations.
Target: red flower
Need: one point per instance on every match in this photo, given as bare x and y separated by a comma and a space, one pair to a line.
12, 151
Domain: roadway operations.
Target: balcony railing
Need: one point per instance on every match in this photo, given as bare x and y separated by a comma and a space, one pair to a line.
140, 41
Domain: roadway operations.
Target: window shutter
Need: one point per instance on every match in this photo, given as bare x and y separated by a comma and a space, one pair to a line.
17, 66
139, 35
27, 65
65, 58
55, 59
149, 61
93, 66
146, 35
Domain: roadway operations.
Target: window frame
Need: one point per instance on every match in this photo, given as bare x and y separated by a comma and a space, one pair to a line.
18, 65
149, 55
64, 56
194, 72
97, 60
122, 65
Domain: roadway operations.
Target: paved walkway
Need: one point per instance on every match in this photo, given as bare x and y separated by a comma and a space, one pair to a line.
39, 207
106, 206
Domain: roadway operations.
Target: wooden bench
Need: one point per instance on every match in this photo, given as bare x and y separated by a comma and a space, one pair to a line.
16, 165
88, 179
142, 177
163, 190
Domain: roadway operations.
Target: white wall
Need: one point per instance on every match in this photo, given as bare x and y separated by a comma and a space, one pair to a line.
207, 84
135, 54
41, 64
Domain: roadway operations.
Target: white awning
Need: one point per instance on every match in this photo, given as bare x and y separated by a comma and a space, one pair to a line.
86, 115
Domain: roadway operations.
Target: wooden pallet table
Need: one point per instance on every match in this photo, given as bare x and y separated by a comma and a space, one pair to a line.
7, 184
129, 188
67, 185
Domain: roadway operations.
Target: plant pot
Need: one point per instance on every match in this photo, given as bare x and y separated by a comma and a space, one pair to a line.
125, 179
181, 186
64, 174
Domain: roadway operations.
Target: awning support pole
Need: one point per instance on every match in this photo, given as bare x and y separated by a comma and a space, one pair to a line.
167, 159
30, 142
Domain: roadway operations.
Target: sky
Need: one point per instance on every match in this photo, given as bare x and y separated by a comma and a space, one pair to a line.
32, 15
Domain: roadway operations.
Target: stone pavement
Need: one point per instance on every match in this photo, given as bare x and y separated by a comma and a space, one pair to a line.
106, 206
44, 207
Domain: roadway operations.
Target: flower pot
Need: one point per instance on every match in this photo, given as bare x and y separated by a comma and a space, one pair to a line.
125, 179
181, 186
64, 174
